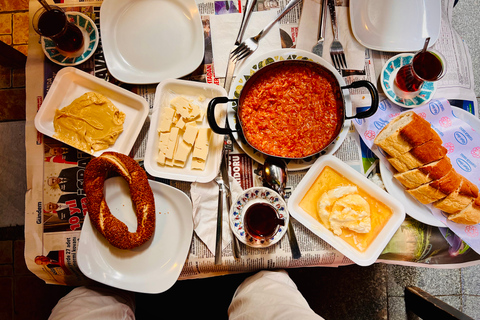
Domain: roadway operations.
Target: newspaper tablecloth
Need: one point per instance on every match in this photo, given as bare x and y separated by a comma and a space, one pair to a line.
54, 235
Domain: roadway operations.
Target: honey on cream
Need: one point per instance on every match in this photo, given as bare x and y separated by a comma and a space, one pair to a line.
345, 208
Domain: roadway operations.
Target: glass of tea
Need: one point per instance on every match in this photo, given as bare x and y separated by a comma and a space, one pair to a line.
261, 220
426, 65
54, 24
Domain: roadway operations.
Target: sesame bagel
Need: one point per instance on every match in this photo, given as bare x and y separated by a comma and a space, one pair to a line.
114, 230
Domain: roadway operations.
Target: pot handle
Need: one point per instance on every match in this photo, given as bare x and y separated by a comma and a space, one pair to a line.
211, 116
373, 93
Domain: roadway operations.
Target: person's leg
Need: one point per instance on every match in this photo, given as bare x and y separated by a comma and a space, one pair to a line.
95, 303
269, 295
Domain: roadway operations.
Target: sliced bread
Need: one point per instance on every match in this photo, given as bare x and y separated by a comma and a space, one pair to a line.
469, 215
414, 178
437, 189
423, 154
405, 132
458, 200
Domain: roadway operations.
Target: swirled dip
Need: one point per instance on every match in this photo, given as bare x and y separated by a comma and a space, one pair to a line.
90, 123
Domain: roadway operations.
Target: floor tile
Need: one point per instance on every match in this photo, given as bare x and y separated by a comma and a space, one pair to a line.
6, 298
471, 306
434, 281
6, 252
465, 23
12, 104
12, 200
339, 293
32, 294
471, 280
19, 258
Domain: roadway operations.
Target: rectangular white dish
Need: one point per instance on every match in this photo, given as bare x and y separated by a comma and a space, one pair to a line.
70, 83
371, 254
166, 91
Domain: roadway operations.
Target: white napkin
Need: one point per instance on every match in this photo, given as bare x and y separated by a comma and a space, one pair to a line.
308, 34
205, 204
225, 30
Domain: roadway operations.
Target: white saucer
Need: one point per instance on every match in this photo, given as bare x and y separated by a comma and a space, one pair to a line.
388, 74
236, 215
91, 37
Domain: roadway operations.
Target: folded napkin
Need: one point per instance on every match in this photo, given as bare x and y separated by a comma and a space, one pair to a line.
205, 204
308, 34
225, 30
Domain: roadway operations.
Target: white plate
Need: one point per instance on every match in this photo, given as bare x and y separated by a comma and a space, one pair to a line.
395, 25
147, 41
369, 256
152, 267
70, 83
91, 38
192, 90
414, 208
237, 215
277, 55
387, 77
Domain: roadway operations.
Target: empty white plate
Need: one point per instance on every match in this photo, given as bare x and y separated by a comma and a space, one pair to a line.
395, 26
146, 41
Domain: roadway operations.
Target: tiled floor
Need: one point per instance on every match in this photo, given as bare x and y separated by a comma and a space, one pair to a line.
351, 292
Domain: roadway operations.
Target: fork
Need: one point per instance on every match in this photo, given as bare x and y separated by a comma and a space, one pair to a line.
336, 50
248, 46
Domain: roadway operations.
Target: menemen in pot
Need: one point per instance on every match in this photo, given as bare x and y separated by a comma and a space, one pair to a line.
291, 109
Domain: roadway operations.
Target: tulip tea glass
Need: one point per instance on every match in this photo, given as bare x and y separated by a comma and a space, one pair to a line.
54, 24
425, 66
261, 220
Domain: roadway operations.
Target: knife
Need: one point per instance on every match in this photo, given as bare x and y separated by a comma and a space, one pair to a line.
318, 48
227, 147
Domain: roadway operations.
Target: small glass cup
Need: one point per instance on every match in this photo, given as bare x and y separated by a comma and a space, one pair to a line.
54, 24
261, 220
426, 66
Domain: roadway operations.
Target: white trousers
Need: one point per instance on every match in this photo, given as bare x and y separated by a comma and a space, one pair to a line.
265, 295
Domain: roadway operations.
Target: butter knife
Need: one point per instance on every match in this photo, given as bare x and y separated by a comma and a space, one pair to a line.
227, 147
318, 48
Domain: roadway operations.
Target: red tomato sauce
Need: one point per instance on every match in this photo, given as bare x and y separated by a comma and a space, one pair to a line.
291, 111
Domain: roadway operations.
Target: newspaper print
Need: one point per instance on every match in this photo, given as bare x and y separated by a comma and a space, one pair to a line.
55, 209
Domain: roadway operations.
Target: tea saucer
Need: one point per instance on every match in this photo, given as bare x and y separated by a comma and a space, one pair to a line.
237, 212
387, 77
90, 34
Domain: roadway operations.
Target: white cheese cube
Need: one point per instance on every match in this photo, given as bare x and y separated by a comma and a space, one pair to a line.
181, 105
200, 150
198, 164
172, 143
168, 114
190, 134
182, 152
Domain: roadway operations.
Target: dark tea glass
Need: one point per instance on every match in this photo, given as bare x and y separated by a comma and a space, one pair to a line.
261, 221
54, 24
425, 66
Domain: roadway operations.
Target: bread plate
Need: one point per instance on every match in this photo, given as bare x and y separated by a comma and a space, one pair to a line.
70, 83
414, 208
370, 255
152, 267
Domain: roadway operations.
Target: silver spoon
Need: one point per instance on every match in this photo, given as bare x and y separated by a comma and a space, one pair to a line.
45, 5
274, 176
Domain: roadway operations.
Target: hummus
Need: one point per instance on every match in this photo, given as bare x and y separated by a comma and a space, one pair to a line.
90, 123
